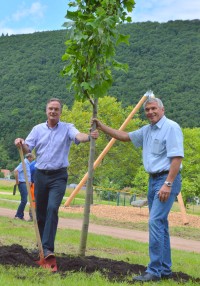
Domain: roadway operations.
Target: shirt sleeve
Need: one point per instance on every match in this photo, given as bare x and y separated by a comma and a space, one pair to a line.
137, 137
30, 139
174, 144
19, 168
73, 131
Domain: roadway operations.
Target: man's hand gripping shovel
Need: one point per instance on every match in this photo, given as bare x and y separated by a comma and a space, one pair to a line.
49, 263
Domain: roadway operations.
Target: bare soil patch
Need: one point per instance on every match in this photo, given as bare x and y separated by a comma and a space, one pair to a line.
132, 214
120, 271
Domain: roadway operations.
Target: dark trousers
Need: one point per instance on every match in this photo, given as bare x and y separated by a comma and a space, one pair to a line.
49, 192
24, 196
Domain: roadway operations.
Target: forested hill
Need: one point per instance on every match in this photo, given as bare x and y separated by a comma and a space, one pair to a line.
162, 57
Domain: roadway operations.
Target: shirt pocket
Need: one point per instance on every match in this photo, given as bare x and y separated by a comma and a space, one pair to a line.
157, 147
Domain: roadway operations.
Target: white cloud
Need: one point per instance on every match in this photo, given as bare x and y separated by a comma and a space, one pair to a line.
36, 10
10, 31
166, 10
15, 23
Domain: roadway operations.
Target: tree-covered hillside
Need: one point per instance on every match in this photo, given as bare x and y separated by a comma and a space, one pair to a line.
162, 57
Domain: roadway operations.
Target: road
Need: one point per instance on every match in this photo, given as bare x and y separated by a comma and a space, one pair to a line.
141, 236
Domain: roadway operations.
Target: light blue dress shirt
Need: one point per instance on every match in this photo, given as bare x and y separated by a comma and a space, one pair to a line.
52, 145
19, 168
160, 142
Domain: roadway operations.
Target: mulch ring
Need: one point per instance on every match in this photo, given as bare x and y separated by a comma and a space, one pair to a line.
119, 271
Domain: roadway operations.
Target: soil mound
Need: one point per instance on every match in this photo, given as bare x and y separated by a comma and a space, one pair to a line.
120, 271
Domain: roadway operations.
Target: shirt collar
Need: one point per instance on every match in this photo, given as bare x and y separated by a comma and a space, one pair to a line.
160, 123
51, 127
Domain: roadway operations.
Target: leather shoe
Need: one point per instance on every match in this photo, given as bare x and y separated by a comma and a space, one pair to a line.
48, 254
146, 277
166, 276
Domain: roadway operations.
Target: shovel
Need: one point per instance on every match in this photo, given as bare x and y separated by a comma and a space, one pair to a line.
49, 263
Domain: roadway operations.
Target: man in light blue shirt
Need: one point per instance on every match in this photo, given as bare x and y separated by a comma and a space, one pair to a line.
162, 144
51, 141
21, 182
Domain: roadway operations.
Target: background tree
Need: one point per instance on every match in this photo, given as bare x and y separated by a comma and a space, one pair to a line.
90, 54
117, 166
140, 182
191, 164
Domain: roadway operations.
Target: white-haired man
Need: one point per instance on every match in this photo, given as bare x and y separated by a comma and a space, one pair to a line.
162, 144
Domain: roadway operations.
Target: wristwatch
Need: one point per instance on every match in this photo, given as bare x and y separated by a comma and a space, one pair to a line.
169, 184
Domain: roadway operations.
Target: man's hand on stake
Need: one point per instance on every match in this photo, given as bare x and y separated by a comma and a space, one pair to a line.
94, 134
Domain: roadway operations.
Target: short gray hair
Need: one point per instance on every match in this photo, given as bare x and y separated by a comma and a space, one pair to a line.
153, 99
55, 99
29, 155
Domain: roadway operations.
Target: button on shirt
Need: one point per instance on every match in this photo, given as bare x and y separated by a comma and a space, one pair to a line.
52, 145
19, 168
160, 142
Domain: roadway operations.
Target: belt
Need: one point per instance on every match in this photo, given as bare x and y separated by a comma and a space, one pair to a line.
155, 175
52, 172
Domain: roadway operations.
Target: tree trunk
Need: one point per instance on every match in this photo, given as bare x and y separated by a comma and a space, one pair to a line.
89, 190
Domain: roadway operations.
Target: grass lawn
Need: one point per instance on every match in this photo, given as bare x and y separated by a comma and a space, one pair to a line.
67, 241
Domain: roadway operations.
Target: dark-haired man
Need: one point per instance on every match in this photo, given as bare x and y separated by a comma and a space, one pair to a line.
51, 141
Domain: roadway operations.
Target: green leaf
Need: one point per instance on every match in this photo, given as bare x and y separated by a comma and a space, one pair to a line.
123, 39
68, 24
72, 15
119, 66
85, 85
129, 19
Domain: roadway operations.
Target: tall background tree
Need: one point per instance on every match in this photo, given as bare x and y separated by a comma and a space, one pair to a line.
90, 58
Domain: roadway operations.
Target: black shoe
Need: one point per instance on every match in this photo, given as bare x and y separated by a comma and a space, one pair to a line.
48, 254
145, 277
166, 276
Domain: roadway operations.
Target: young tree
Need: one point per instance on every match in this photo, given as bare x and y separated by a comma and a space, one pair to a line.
90, 56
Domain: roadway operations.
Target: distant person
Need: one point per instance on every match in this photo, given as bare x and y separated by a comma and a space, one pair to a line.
32, 170
51, 141
162, 143
21, 182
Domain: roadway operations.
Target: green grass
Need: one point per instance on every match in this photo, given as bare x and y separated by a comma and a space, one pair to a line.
186, 232
10, 201
67, 241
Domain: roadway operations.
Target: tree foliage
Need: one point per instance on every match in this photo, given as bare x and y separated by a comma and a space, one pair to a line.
121, 163
92, 45
164, 57
191, 163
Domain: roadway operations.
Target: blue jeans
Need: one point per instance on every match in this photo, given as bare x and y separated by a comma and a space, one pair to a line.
49, 192
24, 197
159, 239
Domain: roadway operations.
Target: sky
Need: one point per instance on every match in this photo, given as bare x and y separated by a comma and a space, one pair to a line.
29, 16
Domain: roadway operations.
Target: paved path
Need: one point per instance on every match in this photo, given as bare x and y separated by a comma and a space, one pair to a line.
142, 236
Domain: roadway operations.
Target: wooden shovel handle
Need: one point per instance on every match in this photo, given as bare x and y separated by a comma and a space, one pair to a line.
39, 243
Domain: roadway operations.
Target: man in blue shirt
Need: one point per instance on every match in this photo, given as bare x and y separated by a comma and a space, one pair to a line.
162, 144
21, 182
51, 141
